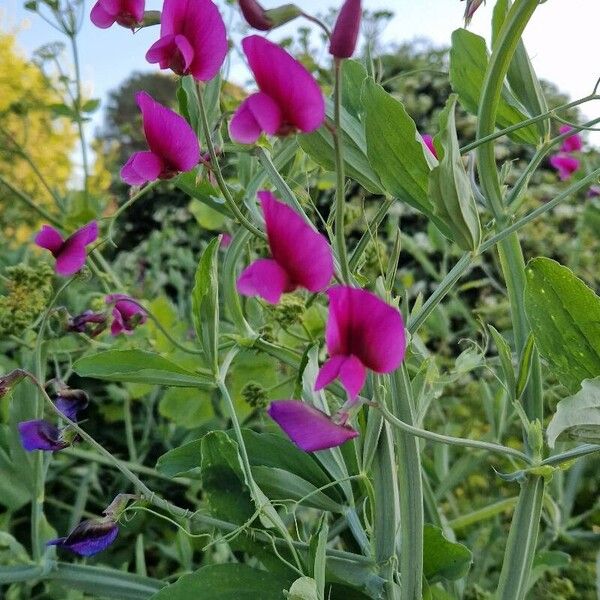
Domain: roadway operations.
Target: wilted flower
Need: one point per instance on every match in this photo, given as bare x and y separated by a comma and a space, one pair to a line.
89, 537
363, 332
289, 98
573, 143
173, 144
346, 29
81, 323
565, 164
41, 435
472, 6
428, 141
70, 402
70, 254
309, 428
301, 256
127, 13
10, 380
127, 315
193, 39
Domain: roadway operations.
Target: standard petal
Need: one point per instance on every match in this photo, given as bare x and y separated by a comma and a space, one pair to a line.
310, 429
363, 325
40, 435
84, 235
296, 246
257, 113
100, 17
329, 371
264, 278
287, 82
205, 30
243, 127
168, 134
49, 238
173, 16
70, 260
141, 168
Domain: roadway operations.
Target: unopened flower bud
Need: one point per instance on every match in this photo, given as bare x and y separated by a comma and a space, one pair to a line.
472, 6
345, 30
255, 395
263, 20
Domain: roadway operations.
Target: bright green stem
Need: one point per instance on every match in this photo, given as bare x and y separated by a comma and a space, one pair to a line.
522, 540
340, 194
410, 490
520, 549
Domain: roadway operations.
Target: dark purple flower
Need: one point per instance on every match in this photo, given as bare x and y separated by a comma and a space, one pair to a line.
70, 254
89, 537
574, 143
127, 315
87, 322
346, 29
309, 428
70, 402
41, 435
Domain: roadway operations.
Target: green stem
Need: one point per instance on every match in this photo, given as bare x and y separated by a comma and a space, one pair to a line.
229, 200
483, 514
340, 193
366, 237
410, 487
30, 203
563, 457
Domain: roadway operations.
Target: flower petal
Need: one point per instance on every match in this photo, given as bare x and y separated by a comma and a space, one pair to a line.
100, 17
264, 278
169, 135
257, 113
141, 168
185, 49
40, 435
363, 325
329, 371
352, 376
573, 143
565, 165
88, 538
50, 239
161, 51
309, 428
287, 82
72, 254
301, 251
428, 141
84, 235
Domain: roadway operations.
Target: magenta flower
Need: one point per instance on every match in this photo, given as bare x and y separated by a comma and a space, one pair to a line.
173, 144
363, 332
564, 164
574, 143
127, 315
127, 13
226, 240
70, 254
310, 429
89, 537
193, 39
41, 435
428, 141
346, 29
289, 98
301, 256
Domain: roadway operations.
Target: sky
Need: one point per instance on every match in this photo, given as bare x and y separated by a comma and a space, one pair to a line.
562, 40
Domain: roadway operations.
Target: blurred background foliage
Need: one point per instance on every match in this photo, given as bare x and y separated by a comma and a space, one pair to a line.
159, 240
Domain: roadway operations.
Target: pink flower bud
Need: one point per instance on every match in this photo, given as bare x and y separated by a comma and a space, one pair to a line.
255, 15
345, 31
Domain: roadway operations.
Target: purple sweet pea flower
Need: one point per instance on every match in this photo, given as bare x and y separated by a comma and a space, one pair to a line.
41, 435
173, 144
428, 141
127, 13
301, 256
70, 254
193, 39
346, 29
574, 143
70, 402
564, 164
289, 98
87, 320
363, 332
89, 537
594, 191
127, 315
309, 428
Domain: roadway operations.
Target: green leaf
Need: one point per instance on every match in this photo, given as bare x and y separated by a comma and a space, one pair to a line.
564, 314
226, 582
188, 102
62, 110
186, 407
205, 303
505, 354
525, 366
521, 74
138, 366
396, 152
578, 416
304, 588
468, 65
449, 185
91, 105
443, 559
183, 461
206, 217
201, 190
353, 78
